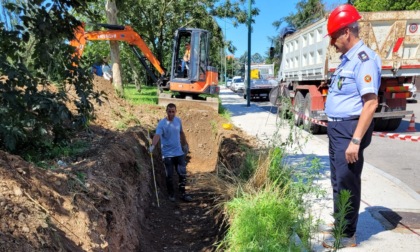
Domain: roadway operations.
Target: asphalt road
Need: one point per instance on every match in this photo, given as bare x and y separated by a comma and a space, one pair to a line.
397, 158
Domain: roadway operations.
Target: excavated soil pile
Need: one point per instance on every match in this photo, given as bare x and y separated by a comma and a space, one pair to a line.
104, 199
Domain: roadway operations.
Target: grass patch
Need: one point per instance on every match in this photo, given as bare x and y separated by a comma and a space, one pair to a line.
266, 210
224, 112
147, 95
262, 222
43, 158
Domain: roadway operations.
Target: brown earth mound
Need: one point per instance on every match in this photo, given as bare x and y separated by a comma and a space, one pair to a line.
105, 199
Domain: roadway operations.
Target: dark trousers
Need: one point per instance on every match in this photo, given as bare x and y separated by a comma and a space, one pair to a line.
346, 176
179, 164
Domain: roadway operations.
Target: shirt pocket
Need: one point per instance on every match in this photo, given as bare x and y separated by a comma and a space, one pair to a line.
348, 82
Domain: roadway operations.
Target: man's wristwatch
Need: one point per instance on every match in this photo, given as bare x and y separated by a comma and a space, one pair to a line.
356, 141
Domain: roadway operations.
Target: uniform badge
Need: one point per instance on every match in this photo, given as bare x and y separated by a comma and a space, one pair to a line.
363, 56
368, 78
340, 83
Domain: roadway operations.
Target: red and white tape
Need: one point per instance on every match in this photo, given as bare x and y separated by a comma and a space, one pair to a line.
379, 134
398, 136
313, 120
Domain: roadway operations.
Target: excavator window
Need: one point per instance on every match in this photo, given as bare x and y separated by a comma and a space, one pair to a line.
182, 60
203, 59
194, 63
196, 69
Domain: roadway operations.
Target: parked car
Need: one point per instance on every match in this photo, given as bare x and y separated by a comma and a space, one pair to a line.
237, 84
228, 82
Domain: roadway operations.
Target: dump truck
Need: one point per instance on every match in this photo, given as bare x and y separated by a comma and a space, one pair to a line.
198, 78
262, 81
309, 61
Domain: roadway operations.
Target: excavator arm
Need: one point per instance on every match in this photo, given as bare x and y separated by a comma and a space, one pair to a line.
119, 33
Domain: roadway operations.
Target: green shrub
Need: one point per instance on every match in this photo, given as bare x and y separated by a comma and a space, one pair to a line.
264, 221
36, 54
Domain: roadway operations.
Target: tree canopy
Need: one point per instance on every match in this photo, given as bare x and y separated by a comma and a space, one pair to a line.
386, 5
307, 12
156, 22
35, 54
34, 38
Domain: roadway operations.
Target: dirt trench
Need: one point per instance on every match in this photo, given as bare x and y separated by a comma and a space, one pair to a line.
105, 200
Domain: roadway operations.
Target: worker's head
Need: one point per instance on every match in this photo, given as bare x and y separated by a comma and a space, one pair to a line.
170, 111
343, 28
187, 46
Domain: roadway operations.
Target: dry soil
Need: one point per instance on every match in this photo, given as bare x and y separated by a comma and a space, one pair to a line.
105, 200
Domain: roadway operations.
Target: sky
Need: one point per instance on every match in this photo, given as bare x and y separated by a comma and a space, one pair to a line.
270, 11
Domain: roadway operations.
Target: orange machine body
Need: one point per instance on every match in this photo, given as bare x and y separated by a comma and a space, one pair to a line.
195, 79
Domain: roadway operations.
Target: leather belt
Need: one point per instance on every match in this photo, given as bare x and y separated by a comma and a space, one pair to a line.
339, 119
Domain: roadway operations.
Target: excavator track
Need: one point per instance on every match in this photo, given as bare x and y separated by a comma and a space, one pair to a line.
166, 98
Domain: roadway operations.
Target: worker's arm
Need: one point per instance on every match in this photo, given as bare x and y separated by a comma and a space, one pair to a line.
155, 141
183, 138
370, 102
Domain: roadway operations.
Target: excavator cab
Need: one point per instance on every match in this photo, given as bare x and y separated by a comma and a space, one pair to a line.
195, 76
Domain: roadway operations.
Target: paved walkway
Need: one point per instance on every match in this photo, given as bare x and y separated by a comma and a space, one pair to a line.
380, 194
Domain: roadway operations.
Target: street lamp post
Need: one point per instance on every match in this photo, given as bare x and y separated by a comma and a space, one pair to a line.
224, 50
248, 89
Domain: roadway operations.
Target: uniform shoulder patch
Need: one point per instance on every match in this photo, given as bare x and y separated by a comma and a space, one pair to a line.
363, 56
368, 78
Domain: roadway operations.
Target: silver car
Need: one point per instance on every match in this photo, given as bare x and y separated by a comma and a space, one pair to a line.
228, 82
237, 84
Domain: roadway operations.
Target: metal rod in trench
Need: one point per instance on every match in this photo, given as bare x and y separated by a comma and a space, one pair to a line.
153, 169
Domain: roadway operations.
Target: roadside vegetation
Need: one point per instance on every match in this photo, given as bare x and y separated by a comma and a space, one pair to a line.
263, 203
146, 95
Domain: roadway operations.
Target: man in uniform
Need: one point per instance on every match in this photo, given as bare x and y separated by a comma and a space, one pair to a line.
350, 106
174, 147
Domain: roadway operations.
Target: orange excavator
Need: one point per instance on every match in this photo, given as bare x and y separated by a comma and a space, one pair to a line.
189, 80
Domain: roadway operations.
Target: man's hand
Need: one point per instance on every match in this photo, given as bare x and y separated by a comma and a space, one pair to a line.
151, 148
323, 85
185, 148
352, 153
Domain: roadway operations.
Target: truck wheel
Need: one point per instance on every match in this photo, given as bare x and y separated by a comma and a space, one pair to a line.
380, 124
279, 96
274, 96
307, 124
393, 124
298, 107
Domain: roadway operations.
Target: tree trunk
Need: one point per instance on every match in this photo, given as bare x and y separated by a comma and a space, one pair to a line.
135, 76
111, 16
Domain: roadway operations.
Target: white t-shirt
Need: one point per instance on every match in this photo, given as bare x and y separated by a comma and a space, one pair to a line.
106, 69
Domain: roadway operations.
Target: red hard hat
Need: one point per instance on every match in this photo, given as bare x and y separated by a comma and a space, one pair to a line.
342, 16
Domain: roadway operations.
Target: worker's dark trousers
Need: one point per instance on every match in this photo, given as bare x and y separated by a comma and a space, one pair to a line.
179, 164
344, 175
